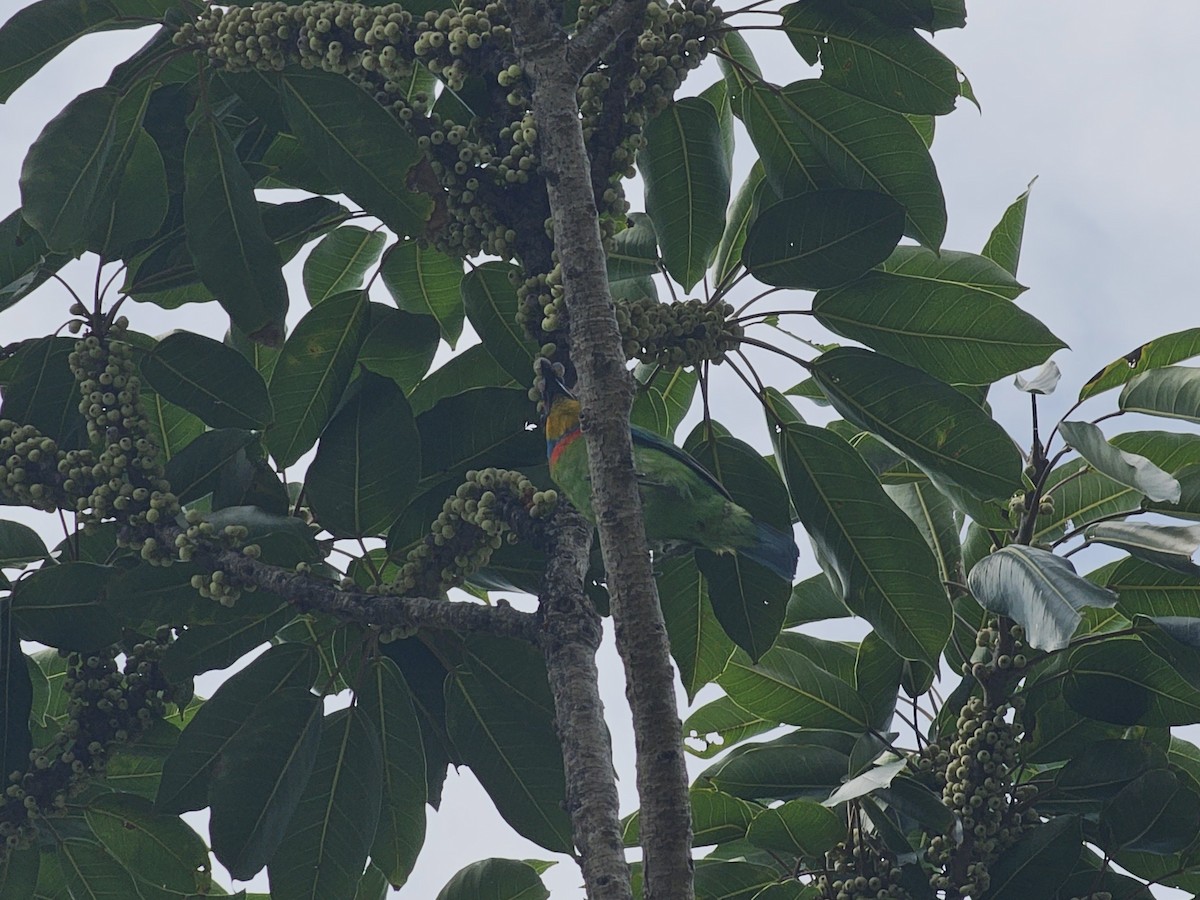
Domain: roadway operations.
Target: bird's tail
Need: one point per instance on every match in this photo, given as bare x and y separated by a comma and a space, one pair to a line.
773, 549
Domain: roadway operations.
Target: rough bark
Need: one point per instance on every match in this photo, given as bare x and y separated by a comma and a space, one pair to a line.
606, 391
570, 636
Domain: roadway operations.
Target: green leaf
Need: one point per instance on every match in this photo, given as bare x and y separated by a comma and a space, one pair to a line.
19, 544
1037, 589
950, 315
233, 254
634, 252
292, 225
43, 392
387, 703
172, 427
797, 828
259, 779
944, 432
473, 368
25, 260
663, 399
324, 849
137, 199
90, 871
312, 372
791, 163
427, 282
822, 238
400, 345
737, 224
500, 716
1038, 862
341, 261
886, 571
721, 879
719, 724
368, 462
368, 153
196, 470
495, 879
61, 178
1172, 392
873, 779
813, 600
782, 772
63, 606
19, 872
1120, 680
687, 186
39, 32
698, 644
740, 60
1003, 245
497, 436
1127, 468
159, 849
209, 379
1169, 546
18, 691
1146, 589
717, 818
284, 669
893, 67
786, 686
877, 675
136, 767
1162, 351
889, 157
1154, 813
933, 514
490, 298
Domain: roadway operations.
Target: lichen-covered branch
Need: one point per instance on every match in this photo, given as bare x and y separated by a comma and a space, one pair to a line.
606, 391
570, 636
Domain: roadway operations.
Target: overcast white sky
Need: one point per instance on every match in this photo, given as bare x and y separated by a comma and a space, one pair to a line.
1097, 99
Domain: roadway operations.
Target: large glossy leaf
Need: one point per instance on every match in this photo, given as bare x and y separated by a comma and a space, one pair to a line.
497, 436
791, 163
43, 392
388, 705
664, 398
368, 462
312, 372
1038, 862
25, 260
687, 186
1003, 245
426, 282
61, 178
172, 426
1172, 392
737, 224
782, 772
933, 514
868, 148
136, 202
717, 725
1037, 589
950, 315
1157, 812
490, 299
495, 879
748, 599
324, 849
19, 873
287, 668
500, 715
886, 571
698, 644
1127, 468
938, 428
634, 252
207, 378
814, 600
878, 671
1150, 590
1169, 546
40, 31
196, 470
797, 828
341, 261
399, 345
473, 368
1122, 681
787, 686
717, 818
90, 871
18, 691
355, 141
161, 851
203, 648
1162, 351
292, 225
233, 254
63, 606
822, 238
893, 67
19, 544
259, 779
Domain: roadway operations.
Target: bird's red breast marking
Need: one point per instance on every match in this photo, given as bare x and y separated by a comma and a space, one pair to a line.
568, 438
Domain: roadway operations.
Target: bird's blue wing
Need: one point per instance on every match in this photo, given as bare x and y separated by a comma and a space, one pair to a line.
644, 438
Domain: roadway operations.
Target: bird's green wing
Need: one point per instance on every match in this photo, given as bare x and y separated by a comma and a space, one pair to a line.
648, 439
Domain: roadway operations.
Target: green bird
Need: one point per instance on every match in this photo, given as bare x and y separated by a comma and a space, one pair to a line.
683, 504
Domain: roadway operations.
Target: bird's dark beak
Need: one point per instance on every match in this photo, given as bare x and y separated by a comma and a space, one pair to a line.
553, 387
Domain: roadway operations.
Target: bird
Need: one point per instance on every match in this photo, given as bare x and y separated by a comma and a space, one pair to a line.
683, 504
